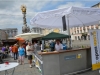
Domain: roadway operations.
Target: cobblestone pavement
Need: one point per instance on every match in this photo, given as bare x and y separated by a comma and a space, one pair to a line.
22, 69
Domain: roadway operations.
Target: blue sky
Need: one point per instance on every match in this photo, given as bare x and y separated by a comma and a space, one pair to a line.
11, 16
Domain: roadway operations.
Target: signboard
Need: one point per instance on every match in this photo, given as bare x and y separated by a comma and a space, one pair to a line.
95, 48
70, 57
78, 56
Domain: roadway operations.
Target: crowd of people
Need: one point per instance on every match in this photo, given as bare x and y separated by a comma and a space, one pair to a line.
18, 52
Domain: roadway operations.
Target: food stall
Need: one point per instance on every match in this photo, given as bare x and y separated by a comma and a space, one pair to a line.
63, 62
37, 59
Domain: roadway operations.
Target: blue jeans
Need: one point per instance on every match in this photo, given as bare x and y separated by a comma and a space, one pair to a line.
15, 55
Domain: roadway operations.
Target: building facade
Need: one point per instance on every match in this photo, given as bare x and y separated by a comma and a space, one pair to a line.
3, 35
37, 30
46, 31
11, 32
78, 33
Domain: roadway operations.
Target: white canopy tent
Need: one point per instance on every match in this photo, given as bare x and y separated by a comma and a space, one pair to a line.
29, 36
76, 16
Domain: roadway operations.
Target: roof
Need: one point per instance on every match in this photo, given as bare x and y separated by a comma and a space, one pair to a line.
95, 4
54, 35
10, 40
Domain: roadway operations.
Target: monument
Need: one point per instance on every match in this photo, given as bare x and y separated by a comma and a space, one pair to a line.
25, 28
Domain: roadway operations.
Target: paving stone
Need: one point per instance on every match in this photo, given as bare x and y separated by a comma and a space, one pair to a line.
21, 69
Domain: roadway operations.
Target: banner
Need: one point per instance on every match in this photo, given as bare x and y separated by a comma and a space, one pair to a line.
95, 48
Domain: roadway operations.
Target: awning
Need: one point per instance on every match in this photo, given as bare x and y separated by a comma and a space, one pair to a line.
28, 36
54, 35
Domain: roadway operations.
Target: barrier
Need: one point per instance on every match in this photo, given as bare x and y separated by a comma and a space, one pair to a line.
38, 63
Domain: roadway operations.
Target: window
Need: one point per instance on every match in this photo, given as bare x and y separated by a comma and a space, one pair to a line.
34, 30
77, 31
78, 37
92, 27
80, 31
75, 37
88, 37
38, 30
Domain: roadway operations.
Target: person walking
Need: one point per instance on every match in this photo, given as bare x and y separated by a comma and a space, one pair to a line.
21, 53
4, 52
15, 51
24, 45
11, 53
29, 51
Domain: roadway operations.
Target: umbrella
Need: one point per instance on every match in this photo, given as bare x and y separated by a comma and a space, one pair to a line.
29, 36
74, 16
20, 40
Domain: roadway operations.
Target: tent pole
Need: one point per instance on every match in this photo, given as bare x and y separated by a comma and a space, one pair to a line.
69, 31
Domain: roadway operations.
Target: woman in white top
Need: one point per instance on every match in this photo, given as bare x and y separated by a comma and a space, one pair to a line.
58, 45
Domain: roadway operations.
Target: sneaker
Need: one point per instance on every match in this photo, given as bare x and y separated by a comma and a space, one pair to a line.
30, 66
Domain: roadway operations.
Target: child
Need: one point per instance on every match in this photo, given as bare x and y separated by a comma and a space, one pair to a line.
21, 52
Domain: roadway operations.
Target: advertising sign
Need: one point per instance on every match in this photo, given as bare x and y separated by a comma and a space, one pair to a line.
95, 48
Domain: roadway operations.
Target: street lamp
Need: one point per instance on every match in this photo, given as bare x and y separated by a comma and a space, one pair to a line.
25, 28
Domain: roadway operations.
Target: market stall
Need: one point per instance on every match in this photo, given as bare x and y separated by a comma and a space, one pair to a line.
37, 58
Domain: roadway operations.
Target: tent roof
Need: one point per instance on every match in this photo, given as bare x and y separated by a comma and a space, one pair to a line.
28, 36
75, 16
54, 35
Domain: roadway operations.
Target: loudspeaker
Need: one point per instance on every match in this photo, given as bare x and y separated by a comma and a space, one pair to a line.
64, 23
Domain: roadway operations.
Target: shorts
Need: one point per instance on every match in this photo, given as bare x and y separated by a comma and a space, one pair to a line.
29, 57
21, 57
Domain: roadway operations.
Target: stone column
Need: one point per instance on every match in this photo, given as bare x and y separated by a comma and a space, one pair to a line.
25, 28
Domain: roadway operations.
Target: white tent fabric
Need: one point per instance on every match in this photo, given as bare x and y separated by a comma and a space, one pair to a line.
28, 36
77, 16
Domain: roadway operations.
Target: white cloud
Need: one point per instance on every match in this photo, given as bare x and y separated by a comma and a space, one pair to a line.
68, 4
11, 14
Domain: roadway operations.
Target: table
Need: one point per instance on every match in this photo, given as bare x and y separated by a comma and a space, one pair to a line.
4, 67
